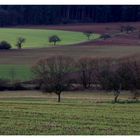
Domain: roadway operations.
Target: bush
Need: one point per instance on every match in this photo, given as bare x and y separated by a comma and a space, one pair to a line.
4, 45
4, 84
127, 28
105, 36
16, 86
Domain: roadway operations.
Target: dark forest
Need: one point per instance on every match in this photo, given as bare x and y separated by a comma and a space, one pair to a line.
11, 15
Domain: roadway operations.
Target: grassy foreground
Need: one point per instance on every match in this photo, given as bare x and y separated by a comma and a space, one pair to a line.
37, 38
73, 116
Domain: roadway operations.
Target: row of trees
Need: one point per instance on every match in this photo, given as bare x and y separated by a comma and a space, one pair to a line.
60, 73
57, 14
21, 40
4, 45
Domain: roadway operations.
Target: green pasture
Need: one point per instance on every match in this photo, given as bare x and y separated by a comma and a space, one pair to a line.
37, 38
15, 72
36, 116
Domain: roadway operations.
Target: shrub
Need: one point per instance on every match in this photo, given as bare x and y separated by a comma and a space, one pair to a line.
105, 36
4, 45
17, 86
4, 84
127, 28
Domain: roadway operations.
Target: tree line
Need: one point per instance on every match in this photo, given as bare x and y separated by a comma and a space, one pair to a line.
11, 15
62, 73
59, 73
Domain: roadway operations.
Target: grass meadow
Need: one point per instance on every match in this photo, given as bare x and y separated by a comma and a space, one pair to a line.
15, 72
37, 38
82, 113
20, 62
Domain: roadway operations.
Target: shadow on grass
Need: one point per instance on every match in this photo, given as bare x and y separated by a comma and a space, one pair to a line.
119, 102
126, 102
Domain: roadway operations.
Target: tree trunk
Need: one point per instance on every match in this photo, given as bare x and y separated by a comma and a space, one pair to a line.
59, 98
116, 98
54, 43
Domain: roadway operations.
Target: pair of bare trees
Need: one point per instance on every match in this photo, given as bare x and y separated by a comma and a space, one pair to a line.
54, 38
127, 29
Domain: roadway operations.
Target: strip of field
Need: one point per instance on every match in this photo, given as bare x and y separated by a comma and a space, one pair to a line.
15, 72
19, 62
37, 38
101, 28
28, 115
31, 56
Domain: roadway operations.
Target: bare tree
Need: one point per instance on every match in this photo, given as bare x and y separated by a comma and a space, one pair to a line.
87, 71
127, 29
109, 79
20, 42
105, 36
52, 73
129, 71
88, 34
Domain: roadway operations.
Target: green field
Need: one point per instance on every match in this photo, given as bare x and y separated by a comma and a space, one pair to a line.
15, 72
37, 38
83, 113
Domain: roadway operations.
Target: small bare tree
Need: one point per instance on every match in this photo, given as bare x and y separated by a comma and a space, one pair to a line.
20, 42
52, 74
88, 34
109, 79
87, 71
129, 71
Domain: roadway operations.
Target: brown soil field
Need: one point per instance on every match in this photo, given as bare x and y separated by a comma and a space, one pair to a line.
31, 56
94, 27
97, 96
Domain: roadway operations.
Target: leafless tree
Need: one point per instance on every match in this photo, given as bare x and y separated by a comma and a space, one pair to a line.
52, 73
87, 71
20, 42
88, 34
